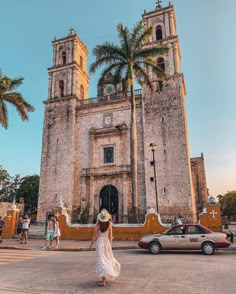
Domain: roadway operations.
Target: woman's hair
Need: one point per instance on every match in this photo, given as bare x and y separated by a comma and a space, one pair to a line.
104, 226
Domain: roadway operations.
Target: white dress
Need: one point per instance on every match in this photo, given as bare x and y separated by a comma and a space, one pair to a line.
106, 264
57, 231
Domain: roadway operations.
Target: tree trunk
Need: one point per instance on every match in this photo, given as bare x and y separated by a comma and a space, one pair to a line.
133, 155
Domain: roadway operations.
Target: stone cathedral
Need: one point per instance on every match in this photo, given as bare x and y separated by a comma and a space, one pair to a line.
85, 161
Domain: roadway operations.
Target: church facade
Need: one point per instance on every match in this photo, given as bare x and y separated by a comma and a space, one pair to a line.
85, 161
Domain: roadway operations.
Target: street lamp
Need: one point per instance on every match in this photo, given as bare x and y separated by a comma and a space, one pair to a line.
153, 148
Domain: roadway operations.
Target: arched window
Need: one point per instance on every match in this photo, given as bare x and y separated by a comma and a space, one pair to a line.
61, 88
82, 92
81, 61
158, 33
161, 63
63, 56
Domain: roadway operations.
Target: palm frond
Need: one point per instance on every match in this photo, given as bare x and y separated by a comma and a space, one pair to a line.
17, 100
123, 34
142, 76
107, 70
15, 83
143, 37
106, 54
150, 52
3, 114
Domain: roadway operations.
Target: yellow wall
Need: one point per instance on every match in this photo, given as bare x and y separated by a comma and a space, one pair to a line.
10, 220
120, 232
211, 218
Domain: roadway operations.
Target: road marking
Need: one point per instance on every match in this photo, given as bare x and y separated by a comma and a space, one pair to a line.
9, 256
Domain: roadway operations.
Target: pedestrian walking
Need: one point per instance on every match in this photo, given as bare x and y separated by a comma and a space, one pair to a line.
25, 230
107, 267
49, 233
19, 228
2, 223
57, 232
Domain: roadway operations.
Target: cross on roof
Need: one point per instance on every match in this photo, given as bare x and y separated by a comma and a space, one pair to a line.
72, 31
158, 3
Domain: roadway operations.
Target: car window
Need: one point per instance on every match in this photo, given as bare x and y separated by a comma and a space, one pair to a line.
177, 231
195, 230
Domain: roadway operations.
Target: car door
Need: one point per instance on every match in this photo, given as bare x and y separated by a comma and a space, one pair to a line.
195, 235
174, 238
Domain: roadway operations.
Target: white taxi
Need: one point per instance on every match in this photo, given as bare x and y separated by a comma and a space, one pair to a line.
185, 237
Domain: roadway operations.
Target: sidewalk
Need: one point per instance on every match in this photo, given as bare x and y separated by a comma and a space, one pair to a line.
65, 245
75, 245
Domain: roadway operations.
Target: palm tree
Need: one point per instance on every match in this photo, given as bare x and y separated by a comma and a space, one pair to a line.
8, 95
129, 61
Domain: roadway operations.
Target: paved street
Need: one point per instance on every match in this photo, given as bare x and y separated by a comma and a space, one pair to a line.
74, 272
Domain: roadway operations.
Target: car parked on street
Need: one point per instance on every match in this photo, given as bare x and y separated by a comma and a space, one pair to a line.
185, 237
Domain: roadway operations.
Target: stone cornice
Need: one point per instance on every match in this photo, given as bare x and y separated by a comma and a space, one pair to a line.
70, 38
158, 11
106, 171
118, 129
73, 64
60, 99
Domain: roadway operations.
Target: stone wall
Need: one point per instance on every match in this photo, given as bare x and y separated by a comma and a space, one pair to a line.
165, 125
104, 125
199, 182
57, 161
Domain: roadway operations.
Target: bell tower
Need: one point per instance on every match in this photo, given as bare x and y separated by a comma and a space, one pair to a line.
165, 123
68, 84
67, 76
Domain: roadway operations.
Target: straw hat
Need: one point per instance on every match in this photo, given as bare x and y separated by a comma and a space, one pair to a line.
104, 216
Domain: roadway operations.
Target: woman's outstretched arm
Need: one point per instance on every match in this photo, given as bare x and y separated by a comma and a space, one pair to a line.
110, 234
94, 238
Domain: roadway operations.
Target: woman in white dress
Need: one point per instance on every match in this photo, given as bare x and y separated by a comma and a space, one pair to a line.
107, 267
57, 232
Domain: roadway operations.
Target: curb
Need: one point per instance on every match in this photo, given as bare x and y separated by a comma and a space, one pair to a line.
77, 249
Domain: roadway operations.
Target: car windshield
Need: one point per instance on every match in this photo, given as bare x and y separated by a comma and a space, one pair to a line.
165, 232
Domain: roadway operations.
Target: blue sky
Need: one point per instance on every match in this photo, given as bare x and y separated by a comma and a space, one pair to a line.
206, 30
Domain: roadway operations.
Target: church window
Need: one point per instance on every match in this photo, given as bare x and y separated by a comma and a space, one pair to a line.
158, 33
81, 61
165, 190
61, 88
108, 155
161, 63
162, 119
82, 92
63, 55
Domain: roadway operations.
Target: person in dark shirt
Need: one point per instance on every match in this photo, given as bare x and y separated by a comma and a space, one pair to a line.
19, 228
1, 228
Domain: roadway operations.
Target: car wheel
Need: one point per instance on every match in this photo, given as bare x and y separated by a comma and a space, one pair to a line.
155, 248
208, 248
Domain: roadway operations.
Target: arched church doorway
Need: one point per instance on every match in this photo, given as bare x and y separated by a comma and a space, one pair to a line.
109, 201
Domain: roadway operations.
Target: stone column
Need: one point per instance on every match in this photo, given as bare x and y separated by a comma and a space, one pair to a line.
176, 62
50, 86
125, 200
9, 229
91, 199
171, 29
91, 185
